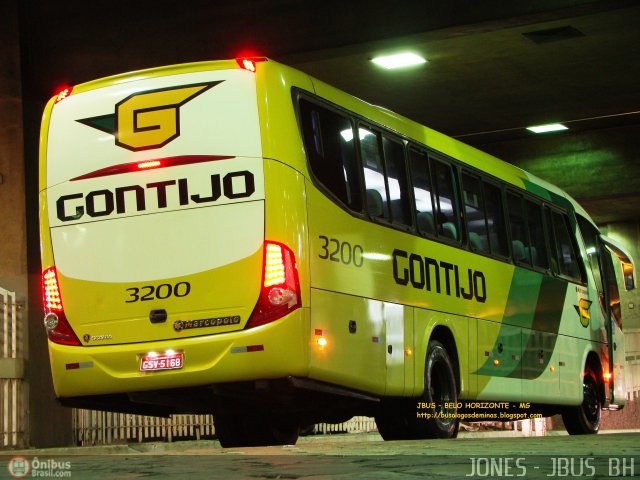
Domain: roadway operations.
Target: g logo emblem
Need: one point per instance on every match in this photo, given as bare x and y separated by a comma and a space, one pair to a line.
148, 120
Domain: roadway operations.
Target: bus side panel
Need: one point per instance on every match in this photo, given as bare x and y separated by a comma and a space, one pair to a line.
571, 369
499, 355
354, 354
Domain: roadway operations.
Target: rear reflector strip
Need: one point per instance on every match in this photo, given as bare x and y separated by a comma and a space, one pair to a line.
75, 366
249, 348
151, 165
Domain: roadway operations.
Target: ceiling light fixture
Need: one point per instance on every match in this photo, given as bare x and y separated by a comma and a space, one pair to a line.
399, 60
551, 127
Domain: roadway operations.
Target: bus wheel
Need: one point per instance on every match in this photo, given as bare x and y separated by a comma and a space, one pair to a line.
440, 389
402, 419
585, 419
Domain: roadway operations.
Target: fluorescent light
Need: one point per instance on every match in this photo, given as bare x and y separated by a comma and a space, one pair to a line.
399, 60
551, 127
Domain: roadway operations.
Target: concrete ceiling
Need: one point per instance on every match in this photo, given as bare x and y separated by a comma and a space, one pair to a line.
494, 67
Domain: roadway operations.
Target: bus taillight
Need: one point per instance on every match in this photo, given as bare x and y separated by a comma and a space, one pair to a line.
55, 321
280, 287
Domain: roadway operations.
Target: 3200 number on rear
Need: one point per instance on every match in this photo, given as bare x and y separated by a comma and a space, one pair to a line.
159, 292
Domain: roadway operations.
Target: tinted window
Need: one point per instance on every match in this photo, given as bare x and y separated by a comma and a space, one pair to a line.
374, 179
495, 220
565, 250
328, 141
422, 191
537, 244
475, 213
519, 240
447, 208
397, 182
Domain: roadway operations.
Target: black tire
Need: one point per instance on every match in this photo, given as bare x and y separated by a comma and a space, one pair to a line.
585, 418
399, 419
440, 389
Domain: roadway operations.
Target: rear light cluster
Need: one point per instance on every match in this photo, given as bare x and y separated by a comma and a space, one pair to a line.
280, 288
55, 321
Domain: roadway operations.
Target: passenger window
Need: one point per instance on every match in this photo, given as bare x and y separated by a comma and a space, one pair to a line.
447, 208
537, 244
475, 213
397, 182
495, 220
519, 242
328, 141
374, 178
565, 250
422, 191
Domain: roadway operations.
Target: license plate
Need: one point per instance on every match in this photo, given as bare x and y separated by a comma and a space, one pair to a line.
154, 363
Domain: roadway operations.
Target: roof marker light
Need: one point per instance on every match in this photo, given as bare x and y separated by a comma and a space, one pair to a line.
64, 93
250, 63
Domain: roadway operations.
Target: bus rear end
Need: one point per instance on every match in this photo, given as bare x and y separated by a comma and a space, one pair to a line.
157, 275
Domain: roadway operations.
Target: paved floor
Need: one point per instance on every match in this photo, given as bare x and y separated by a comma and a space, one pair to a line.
356, 456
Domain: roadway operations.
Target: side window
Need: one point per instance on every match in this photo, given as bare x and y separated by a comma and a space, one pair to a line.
374, 176
447, 218
565, 250
519, 241
328, 141
474, 208
422, 191
537, 244
397, 182
594, 252
495, 220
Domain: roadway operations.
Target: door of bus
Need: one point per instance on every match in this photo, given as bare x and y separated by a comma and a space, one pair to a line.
614, 323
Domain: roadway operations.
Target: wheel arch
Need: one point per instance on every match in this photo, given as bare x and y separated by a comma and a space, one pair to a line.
445, 336
594, 364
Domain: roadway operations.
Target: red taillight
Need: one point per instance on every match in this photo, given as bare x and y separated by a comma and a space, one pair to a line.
55, 321
63, 93
280, 288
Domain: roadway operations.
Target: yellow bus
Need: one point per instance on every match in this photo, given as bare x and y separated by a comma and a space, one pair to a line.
238, 238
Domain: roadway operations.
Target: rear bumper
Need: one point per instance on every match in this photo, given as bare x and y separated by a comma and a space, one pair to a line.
211, 359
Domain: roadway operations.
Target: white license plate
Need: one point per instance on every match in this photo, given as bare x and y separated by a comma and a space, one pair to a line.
154, 363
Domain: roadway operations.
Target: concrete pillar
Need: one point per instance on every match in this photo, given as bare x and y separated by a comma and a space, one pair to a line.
47, 423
